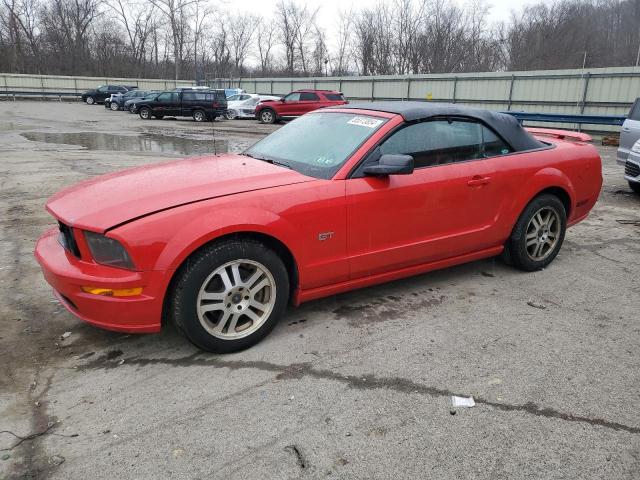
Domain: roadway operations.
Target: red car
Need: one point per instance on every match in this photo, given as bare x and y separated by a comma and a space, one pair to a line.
339, 199
297, 103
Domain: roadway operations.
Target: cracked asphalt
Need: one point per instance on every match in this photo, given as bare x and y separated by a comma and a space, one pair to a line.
353, 386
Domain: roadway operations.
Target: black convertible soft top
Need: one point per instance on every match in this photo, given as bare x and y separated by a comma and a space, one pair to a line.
505, 125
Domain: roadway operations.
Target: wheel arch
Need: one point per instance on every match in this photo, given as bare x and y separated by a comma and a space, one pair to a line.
560, 192
266, 239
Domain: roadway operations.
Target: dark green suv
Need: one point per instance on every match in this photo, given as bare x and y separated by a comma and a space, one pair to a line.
202, 105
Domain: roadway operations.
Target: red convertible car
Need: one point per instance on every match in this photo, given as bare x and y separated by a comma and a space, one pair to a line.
339, 199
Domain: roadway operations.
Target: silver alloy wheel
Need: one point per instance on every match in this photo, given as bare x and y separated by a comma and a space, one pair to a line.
543, 233
90, 101
114, 106
198, 116
230, 114
145, 113
266, 116
236, 299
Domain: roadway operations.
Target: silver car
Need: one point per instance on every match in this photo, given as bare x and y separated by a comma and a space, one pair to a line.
629, 150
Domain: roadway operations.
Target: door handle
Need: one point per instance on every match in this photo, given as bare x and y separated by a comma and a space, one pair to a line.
477, 181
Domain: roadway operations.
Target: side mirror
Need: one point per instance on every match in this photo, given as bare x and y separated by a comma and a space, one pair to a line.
282, 100
390, 164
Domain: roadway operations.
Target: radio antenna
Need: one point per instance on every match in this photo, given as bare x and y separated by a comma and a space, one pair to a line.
213, 133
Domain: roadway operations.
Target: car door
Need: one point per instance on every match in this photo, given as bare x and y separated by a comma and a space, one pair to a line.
102, 93
290, 106
445, 208
630, 132
166, 103
189, 99
309, 101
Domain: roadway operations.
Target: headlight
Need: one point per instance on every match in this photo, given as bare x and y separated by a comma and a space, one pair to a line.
108, 251
636, 147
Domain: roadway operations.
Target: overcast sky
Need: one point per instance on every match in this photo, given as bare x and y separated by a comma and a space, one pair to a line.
499, 9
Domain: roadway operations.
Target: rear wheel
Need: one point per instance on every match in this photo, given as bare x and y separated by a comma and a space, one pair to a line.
538, 234
132, 109
230, 295
267, 116
90, 100
145, 113
114, 106
635, 186
230, 114
199, 116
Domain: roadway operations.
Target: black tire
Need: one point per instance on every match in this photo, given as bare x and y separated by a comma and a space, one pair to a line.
90, 100
267, 116
635, 186
516, 248
114, 107
199, 116
132, 109
145, 113
198, 270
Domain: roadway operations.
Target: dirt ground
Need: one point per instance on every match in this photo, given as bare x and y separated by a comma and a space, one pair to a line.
353, 386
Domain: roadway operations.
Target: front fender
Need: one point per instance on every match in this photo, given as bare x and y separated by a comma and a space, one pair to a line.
202, 231
162, 241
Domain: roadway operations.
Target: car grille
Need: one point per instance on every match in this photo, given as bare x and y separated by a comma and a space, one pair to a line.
631, 169
67, 239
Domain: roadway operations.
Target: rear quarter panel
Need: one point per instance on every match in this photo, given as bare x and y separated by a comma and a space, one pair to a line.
574, 167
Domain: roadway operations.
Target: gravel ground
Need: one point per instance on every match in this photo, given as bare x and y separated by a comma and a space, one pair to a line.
353, 386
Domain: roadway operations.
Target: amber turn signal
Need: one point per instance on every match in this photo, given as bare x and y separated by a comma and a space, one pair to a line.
113, 292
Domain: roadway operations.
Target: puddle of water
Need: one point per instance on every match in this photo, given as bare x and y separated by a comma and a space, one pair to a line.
140, 143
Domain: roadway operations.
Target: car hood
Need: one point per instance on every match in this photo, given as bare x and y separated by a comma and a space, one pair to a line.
110, 200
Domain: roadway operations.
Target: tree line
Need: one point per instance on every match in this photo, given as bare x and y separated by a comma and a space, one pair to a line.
187, 39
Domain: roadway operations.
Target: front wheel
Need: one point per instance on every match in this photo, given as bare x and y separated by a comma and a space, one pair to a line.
635, 186
132, 109
230, 114
199, 116
114, 106
267, 116
538, 235
90, 100
145, 113
229, 295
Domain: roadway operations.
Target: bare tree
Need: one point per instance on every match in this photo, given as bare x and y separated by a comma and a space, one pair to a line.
241, 30
265, 41
344, 37
177, 13
137, 21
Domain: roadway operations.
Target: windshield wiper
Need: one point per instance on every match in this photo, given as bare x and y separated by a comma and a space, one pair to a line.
268, 160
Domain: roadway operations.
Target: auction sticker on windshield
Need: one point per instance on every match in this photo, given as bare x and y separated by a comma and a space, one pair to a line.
365, 122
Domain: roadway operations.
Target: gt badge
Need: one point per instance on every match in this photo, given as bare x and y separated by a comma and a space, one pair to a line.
325, 236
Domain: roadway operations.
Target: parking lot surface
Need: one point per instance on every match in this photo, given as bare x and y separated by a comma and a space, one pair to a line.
354, 386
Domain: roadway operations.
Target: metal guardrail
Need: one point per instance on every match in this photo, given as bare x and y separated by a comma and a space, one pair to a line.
25, 94
615, 120
612, 120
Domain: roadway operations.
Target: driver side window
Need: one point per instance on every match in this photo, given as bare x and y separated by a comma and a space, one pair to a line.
439, 142
292, 97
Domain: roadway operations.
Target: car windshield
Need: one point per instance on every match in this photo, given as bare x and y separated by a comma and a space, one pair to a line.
316, 144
